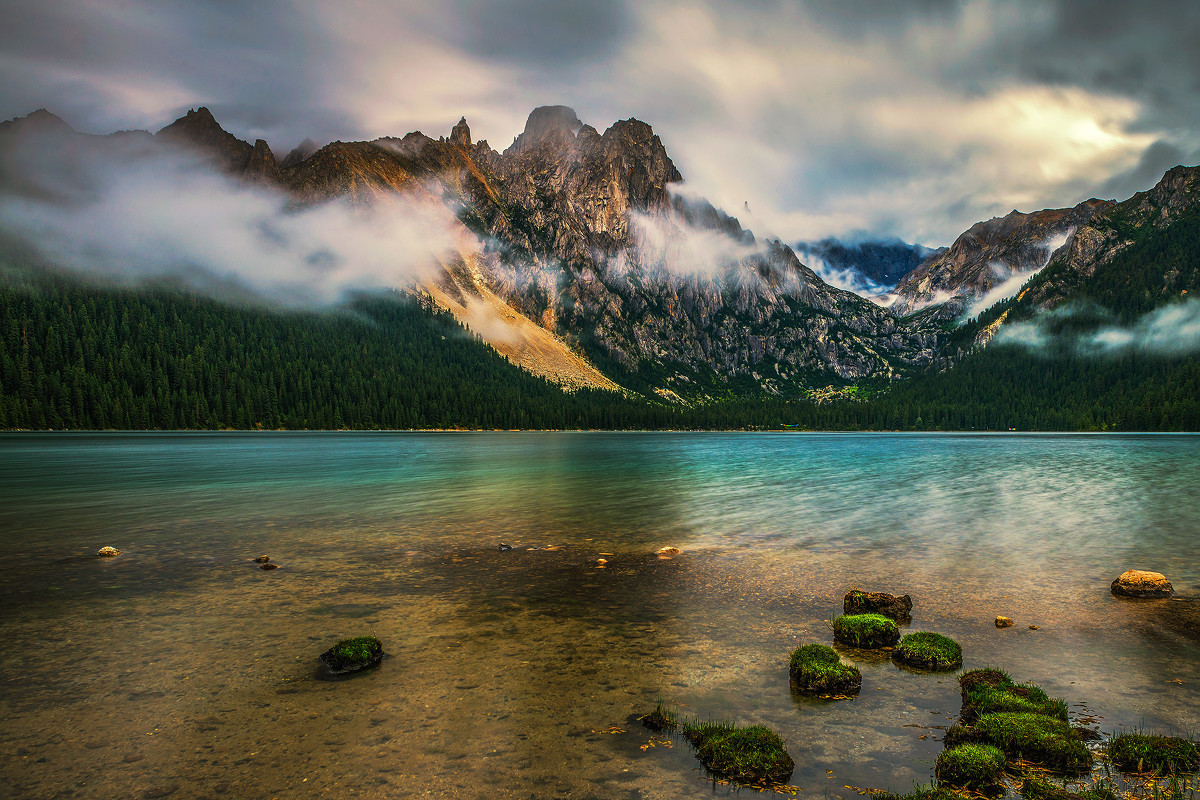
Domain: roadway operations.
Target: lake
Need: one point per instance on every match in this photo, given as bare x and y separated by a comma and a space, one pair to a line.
179, 669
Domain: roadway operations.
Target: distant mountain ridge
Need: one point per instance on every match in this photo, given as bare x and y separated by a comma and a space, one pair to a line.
868, 266
596, 274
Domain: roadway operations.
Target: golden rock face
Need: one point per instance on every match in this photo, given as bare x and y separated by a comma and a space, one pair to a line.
1142, 583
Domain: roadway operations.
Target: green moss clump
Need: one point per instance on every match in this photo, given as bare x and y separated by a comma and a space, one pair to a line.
867, 631
930, 651
817, 669
971, 766
1034, 788
1037, 738
753, 754
349, 655
1140, 752
989, 691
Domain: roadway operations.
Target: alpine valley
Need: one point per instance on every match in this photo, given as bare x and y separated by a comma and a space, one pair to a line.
586, 287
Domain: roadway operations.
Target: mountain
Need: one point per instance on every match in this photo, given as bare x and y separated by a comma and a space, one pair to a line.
870, 266
578, 262
991, 260
586, 259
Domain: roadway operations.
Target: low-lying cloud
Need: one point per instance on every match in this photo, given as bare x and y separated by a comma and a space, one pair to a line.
1173, 330
170, 216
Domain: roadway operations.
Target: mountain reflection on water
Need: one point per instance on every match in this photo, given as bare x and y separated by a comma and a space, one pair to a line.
179, 669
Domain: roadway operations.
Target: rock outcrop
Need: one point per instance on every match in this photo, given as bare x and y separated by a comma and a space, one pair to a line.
989, 254
1141, 583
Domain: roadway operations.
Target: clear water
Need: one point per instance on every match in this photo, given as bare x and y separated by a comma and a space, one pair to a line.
179, 669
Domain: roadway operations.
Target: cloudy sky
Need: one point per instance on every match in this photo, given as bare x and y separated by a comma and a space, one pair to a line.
913, 119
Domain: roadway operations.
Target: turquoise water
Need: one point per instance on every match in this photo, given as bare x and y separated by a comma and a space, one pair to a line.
178, 669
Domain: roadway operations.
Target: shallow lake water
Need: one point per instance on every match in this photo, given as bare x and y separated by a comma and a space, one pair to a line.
179, 669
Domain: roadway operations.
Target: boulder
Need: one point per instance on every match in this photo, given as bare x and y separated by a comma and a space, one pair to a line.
1140, 583
1004, 622
897, 607
351, 655
108, 552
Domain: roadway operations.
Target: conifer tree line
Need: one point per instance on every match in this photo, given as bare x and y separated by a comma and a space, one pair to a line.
79, 356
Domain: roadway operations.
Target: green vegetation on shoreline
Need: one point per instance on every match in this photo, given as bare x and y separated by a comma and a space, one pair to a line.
78, 356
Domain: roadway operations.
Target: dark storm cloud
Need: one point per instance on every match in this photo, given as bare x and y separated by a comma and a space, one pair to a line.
543, 34
139, 63
916, 118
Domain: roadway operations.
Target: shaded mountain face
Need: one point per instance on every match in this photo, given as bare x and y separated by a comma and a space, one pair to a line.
991, 261
869, 267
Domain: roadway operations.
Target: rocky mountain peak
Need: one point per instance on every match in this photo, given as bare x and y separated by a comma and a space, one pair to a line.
40, 120
460, 135
261, 167
546, 123
199, 129
299, 153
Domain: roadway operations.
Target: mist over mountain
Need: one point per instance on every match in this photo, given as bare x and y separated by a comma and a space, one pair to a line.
573, 252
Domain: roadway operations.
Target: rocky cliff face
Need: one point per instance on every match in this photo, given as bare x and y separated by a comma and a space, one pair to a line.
998, 251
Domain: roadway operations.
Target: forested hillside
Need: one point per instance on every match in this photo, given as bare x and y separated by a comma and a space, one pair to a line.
75, 355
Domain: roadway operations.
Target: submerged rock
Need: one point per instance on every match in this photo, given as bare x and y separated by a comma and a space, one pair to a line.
268, 566
108, 552
897, 607
1141, 583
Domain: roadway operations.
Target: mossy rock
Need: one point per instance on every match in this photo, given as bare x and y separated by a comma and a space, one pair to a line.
990, 691
1034, 788
971, 766
897, 607
747, 755
930, 651
817, 669
1035, 737
351, 655
866, 631
1141, 752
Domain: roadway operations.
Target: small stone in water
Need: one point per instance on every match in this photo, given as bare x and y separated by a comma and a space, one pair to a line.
668, 551
1004, 622
262, 559
269, 566
108, 552
1034, 627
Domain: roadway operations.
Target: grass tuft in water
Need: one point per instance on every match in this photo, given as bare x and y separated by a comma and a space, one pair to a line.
988, 691
866, 631
1143, 752
930, 651
1035, 788
1035, 737
920, 793
971, 766
817, 669
753, 754
660, 719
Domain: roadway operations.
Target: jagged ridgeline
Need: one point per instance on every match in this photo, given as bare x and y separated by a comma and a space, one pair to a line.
580, 268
